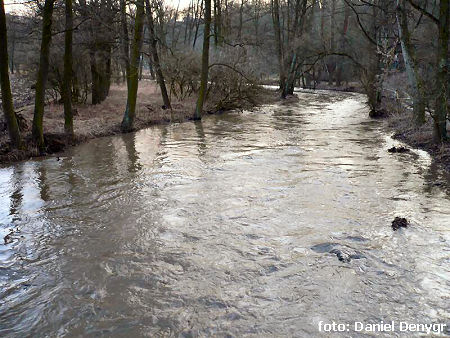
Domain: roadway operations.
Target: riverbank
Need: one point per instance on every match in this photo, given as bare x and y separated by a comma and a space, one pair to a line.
401, 124
396, 109
398, 105
93, 121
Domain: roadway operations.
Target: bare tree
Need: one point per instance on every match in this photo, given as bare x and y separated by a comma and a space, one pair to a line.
68, 63
155, 56
7, 102
205, 62
409, 57
133, 76
441, 107
42, 75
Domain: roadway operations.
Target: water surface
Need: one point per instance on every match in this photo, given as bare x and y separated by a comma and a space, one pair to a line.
225, 227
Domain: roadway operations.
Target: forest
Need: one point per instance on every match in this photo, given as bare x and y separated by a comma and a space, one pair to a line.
71, 52
224, 168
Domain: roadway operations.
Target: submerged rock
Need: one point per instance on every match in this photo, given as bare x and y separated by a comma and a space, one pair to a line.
399, 222
343, 253
398, 150
342, 256
8, 238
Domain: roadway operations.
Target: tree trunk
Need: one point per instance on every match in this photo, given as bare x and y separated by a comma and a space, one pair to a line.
297, 30
217, 23
241, 14
37, 129
150, 65
342, 40
409, 57
128, 118
95, 78
100, 58
155, 56
256, 22
7, 101
67, 85
279, 46
440, 114
197, 24
332, 63
13, 48
124, 37
205, 62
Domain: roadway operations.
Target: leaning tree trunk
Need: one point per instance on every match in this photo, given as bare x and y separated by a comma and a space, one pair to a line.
7, 101
205, 63
409, 57
440, 114
279, 43
128, 118
155, 56
67, 86
37, 130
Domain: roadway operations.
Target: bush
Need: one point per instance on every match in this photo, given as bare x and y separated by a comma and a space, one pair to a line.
182, 74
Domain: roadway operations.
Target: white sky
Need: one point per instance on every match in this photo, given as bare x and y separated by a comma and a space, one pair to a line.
15, 6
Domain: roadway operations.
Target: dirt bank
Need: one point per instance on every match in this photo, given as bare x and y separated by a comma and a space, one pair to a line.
91, 121
422, 138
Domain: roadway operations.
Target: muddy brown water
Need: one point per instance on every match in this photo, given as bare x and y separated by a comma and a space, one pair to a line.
227, 227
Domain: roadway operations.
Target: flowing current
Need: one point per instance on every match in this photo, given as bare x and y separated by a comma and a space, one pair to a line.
264, 224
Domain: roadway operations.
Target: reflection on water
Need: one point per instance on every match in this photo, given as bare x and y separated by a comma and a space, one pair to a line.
207, 229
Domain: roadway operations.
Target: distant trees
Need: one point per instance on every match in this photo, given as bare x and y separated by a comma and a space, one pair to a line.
293, 42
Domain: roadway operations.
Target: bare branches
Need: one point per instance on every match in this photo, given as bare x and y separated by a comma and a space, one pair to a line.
424, 12
232, 68
358, 19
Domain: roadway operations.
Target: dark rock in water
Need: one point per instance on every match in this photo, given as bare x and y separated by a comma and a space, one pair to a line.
344, 254
399, 222
164, 107
398, 150
8, 238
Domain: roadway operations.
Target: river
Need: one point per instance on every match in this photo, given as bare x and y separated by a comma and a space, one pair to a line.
228, 227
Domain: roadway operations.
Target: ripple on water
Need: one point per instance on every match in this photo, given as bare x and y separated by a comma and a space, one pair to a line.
257, 223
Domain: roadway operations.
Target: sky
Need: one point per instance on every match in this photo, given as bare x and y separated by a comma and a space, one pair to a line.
15, 6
